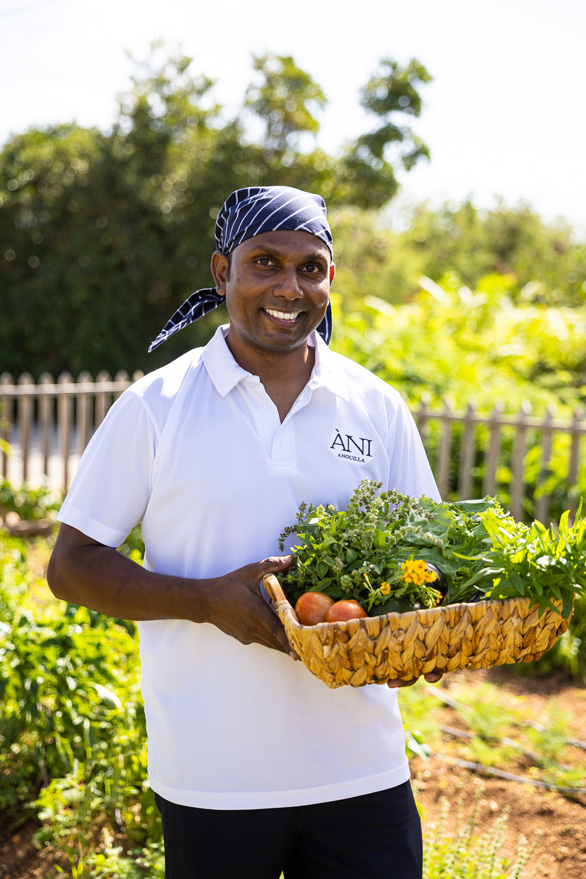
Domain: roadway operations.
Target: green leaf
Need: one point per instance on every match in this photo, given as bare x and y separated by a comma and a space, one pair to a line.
322, 568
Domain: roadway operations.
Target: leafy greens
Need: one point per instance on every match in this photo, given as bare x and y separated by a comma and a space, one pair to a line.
368, 551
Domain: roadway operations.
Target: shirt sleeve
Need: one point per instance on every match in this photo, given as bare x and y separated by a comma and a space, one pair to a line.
112, 485
409, 472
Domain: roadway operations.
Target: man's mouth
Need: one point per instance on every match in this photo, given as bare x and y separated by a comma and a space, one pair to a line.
283, 315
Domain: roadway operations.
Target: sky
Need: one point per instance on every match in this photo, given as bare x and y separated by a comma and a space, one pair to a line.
503, 117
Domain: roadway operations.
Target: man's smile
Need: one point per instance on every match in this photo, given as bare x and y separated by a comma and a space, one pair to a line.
282, 315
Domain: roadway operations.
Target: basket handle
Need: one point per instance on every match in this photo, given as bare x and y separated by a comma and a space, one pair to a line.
274, 588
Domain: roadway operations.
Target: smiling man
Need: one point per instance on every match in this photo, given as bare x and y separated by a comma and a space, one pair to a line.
256, 765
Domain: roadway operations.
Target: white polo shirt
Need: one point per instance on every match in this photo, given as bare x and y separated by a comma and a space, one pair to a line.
196, 451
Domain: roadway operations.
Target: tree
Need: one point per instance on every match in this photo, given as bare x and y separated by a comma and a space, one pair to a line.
109, 232
283, 101
367, 175
543, 260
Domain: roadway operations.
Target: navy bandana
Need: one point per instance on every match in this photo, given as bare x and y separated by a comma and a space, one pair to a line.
245, 213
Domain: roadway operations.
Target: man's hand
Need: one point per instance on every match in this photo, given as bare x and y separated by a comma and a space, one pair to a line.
432, 678
235, 605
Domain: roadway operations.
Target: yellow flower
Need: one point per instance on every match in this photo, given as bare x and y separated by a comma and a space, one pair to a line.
385, 588
416, 571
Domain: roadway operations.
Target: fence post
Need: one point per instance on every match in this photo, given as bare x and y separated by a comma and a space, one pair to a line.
82, 427
121, 376
46, 419
420, 415
101, 398
518, 482
443, 479
573, 464
494, 444
64, 420
467, 452
542, 504
24, 421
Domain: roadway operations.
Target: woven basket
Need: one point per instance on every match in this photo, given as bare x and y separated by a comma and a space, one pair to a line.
373, 650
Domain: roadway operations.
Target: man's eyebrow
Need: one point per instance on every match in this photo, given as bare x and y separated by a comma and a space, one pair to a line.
270, 250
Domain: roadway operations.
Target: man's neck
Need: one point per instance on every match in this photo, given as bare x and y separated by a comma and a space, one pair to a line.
283, 374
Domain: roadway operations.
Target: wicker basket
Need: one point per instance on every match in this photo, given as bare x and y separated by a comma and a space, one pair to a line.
373, 650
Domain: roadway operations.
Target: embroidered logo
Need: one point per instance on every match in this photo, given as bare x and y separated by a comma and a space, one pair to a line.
351, 448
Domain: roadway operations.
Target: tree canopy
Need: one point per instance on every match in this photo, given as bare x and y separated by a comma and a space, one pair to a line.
105, 233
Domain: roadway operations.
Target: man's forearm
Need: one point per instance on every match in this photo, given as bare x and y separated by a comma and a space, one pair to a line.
86, 572
104, 580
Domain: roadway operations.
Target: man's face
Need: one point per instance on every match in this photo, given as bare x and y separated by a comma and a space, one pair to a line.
277, 290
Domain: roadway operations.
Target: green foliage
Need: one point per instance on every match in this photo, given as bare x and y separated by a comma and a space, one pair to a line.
541, 563
370, 260
487, 713
72, 728
30, 502
544, 262
467, 854
495, 732
539, 265
285, 101
368, 177
505, 352
395, 90
133, 546
112, 863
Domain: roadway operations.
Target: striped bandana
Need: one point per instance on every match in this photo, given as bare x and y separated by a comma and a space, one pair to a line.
245, 213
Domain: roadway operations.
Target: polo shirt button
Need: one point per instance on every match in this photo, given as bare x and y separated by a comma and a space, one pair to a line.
266, 406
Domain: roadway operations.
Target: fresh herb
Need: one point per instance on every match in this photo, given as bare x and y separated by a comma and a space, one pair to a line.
541, 563
374, 551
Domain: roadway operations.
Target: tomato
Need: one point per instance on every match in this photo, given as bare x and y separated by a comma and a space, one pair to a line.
348, 609
312, 607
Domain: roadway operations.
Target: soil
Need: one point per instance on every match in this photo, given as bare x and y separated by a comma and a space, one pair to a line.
559, 820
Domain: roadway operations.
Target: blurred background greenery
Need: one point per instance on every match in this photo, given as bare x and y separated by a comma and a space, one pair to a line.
105, 233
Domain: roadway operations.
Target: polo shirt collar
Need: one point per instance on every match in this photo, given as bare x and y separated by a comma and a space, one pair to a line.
225, 373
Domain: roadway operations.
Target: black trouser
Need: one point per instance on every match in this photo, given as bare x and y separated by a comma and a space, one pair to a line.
376, 836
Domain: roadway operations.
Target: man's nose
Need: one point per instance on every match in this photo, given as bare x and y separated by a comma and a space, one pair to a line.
287, 285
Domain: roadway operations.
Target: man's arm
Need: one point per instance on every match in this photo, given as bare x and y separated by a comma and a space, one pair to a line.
86, 572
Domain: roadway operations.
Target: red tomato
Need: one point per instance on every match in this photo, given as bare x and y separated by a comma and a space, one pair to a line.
312, 607
348, 609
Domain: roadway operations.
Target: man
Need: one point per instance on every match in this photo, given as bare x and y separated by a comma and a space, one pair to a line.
256, 765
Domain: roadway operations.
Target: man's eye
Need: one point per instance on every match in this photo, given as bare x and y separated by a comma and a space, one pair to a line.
312, 269
264, 261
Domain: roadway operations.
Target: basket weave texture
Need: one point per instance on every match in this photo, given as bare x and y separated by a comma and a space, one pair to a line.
373, 650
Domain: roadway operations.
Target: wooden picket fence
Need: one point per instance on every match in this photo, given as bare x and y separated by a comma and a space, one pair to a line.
45, 426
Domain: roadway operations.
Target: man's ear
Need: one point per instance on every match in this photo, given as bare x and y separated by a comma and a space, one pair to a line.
332, 272
219, 267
